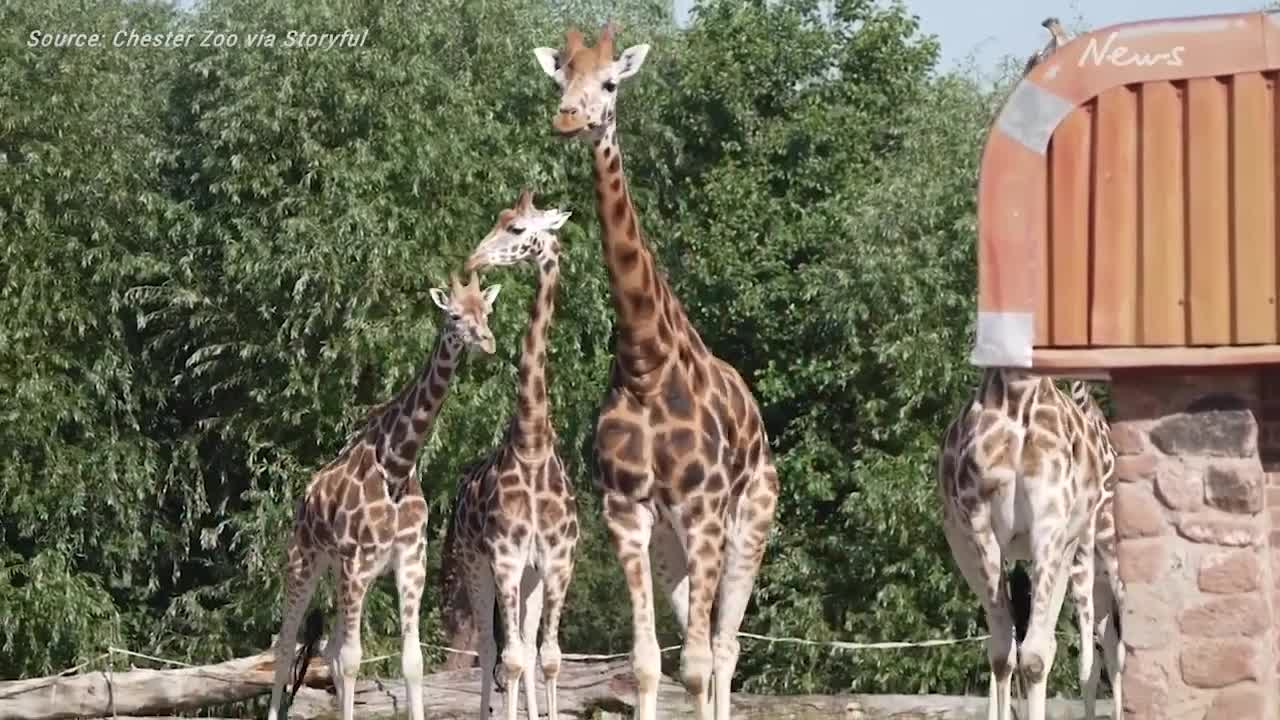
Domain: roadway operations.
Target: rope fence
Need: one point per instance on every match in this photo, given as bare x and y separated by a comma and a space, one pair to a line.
113, 652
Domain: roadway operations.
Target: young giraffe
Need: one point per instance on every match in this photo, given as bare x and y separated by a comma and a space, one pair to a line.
681, 454
364, 512
1022, 473
515, 521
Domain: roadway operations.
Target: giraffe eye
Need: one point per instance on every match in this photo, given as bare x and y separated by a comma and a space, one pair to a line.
515, 229
610, 86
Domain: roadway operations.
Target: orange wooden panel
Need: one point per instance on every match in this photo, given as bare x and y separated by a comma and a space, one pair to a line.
1253, 209
1208, 213
1069, 164
1010, 237
1164, 317
1179, 218
1115, 219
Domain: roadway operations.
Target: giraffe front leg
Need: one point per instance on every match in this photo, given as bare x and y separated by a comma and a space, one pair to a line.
630, 525
301, 576
411, 578
555, 586
531, 613
704, 567
352, 587
507, 575
331, 648
744, 552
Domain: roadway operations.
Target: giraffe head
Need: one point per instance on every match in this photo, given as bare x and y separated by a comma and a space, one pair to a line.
588, 79
466, 311
522, 233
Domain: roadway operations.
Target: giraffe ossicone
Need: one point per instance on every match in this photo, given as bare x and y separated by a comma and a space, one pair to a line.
364, 514
681, 455
514, 526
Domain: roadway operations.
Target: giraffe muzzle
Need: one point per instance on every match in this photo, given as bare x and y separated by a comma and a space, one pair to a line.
568, 124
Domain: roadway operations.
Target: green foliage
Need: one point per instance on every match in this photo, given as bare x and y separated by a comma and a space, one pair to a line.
216, 260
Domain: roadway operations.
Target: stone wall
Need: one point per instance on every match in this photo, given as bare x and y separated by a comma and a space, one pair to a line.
1193, 510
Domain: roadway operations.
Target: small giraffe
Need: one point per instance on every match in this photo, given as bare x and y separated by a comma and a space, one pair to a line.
364, 513
681, 455
1057, 38
515, 521
1022, 474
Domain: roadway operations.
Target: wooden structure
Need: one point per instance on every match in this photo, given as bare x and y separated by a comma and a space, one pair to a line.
1127, 221
1127, 210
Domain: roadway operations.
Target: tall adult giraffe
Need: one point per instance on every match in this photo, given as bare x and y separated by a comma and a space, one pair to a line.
681, 454
364, 513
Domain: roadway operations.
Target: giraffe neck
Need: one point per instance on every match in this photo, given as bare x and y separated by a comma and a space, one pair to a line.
645, 308
404, 423
533, 434
1012, 390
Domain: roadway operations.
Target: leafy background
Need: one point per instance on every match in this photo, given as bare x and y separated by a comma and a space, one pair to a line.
214, 260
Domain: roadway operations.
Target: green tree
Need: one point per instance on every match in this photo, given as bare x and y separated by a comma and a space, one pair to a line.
83, 496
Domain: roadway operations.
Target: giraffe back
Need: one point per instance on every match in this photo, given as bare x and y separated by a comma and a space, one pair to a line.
1098, 430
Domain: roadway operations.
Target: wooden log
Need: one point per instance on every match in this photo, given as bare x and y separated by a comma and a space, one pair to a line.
587, 689
142, 692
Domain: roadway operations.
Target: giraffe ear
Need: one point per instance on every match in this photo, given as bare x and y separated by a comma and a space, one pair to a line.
549, 61
491, 294
629, 62
440, 298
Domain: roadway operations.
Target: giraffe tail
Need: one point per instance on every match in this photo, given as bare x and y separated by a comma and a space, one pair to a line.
310, 638
1018, 593
499, 640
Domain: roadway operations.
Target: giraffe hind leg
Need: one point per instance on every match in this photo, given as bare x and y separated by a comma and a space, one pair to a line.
670, 566
1082, 595
480, 588
302, 572
1107, 624
979, 557
1050, 575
